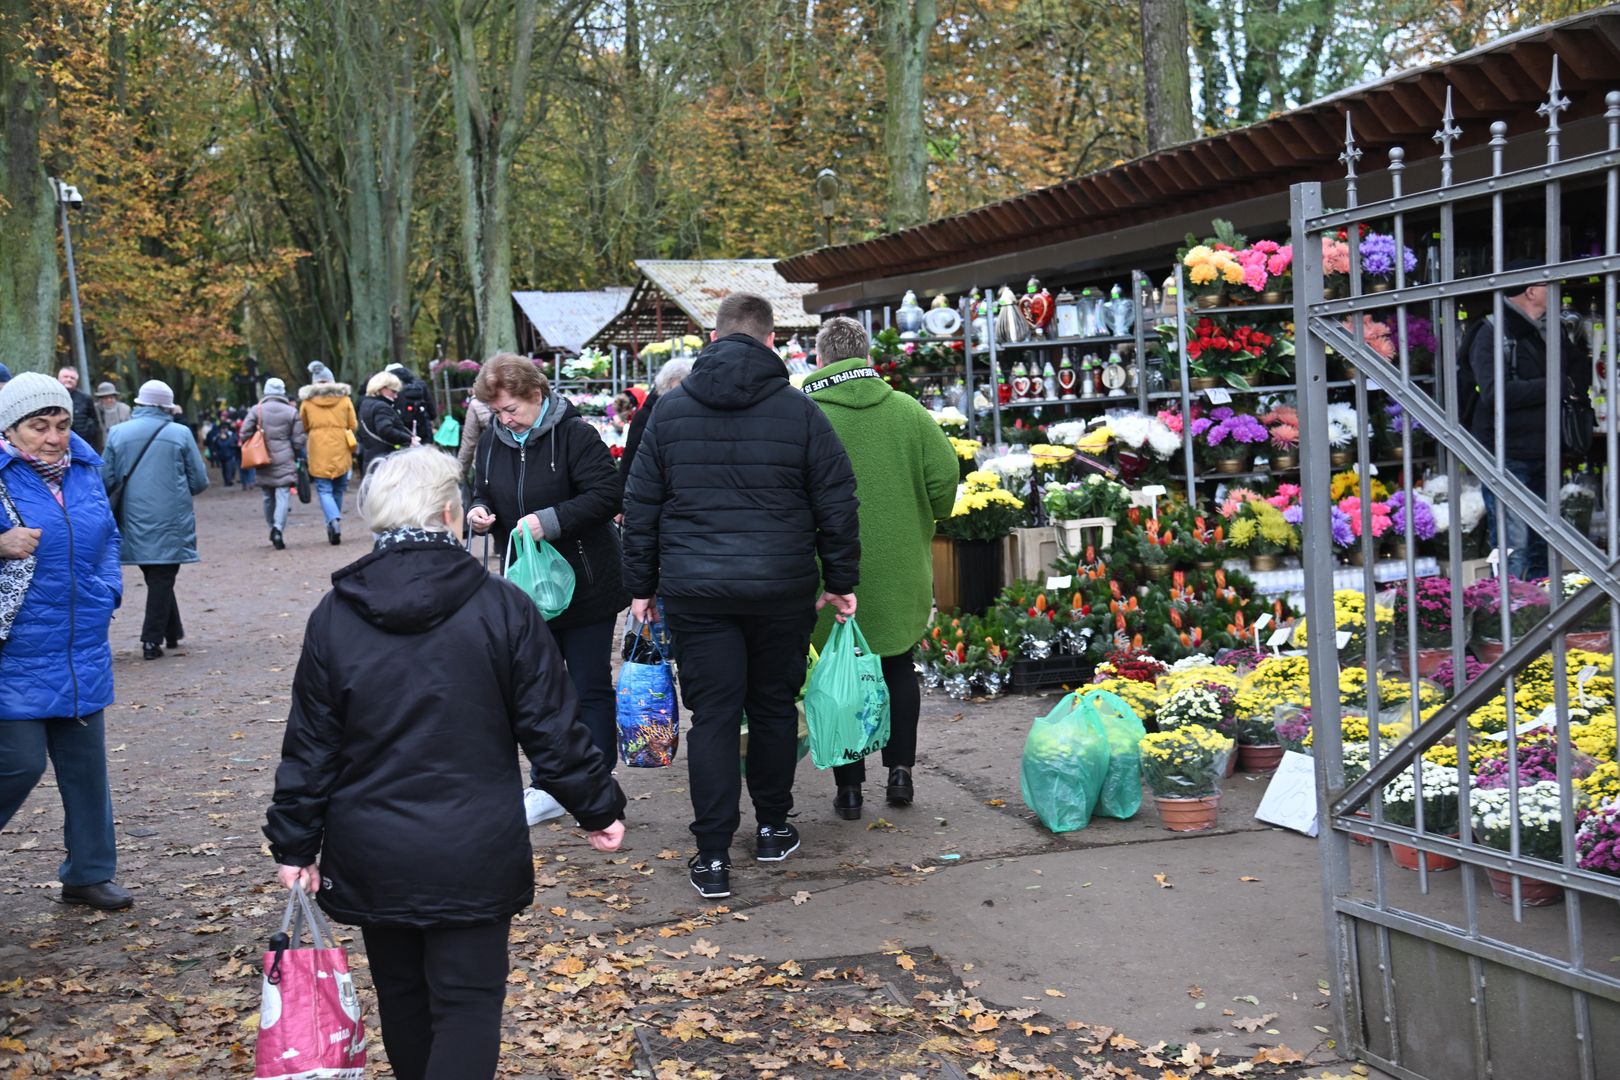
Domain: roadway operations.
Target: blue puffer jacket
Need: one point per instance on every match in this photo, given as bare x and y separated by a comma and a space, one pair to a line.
57, 662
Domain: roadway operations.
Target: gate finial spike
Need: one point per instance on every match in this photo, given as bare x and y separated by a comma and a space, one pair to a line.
1448, 134
1612, 115
1397, 166
1556, 103
1351, 155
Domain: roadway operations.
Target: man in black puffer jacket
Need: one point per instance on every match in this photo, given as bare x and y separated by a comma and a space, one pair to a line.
740, 484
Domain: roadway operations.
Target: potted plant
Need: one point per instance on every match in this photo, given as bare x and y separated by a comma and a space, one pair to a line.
1282, 427
1593, 634
1430, 599
1344, 425
1232, 437
1267, 269
1378, 257
1528, 604
985, 514
1259, 748
1540, 835
1259, 531
1375, 520
1211, 269
1439, 812
1421, 519
1597, 845
1294, 727
1335, 266
1184, 767
1578, 497
1095, 502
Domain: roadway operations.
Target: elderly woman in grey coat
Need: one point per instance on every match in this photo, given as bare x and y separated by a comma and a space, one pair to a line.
157, 463
284, 437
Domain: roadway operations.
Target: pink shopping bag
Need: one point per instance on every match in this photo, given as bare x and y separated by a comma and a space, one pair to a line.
309, 1016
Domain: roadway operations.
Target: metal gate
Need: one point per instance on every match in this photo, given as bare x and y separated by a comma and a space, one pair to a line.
1444, 972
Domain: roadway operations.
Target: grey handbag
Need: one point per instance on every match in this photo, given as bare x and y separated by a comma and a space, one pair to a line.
15, 574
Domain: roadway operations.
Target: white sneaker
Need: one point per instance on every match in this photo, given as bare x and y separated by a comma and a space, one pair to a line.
539, 806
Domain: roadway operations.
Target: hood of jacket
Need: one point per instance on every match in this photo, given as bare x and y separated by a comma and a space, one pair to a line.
410, 588
324, 394
853, 384
152, 412
548, 423
735, 373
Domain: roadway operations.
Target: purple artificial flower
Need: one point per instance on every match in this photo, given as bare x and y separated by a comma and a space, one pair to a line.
1445, 677
1420, 334
1538, 761
1343, 535
1200, 425
1398, 419
1378, 256
1235, 427
1422, 516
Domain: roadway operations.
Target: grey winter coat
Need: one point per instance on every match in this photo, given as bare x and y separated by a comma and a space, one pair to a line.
158, 524
283, 435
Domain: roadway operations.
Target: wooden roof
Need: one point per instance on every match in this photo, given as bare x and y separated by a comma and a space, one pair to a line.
683, 296
565, 321
1504, 80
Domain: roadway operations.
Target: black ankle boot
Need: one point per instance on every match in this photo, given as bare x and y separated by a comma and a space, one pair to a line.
848, 803
900, 791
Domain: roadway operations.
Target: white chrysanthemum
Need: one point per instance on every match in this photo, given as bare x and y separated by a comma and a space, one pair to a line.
1131, 429
1343, 425
1161, 440
1471, 509
1067, 433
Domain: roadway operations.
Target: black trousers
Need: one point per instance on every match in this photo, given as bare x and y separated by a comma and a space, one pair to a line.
905, 705
730, 664
440, 994
162, 622
587, 653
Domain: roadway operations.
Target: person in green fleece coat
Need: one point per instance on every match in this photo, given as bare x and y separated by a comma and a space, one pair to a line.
906, 474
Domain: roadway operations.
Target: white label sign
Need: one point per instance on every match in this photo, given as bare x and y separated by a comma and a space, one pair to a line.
1218, 395
1262, 622
1279, 637
1344, 637
1586, 675
1290, 798
1059, 582
1548, 718
1154, 490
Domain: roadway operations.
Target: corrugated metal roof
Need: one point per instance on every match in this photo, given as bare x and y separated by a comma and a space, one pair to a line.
567, 320
677, 296
1504, 80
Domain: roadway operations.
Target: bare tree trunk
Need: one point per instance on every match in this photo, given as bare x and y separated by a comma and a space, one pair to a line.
1165, 75
907, 27
29, 285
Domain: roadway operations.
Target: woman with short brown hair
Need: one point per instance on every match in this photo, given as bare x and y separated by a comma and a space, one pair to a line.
540, 466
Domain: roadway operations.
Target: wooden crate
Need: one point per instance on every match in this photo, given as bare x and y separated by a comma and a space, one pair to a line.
943, 550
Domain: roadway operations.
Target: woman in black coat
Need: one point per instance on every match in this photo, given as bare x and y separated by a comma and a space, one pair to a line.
540, 464
420, 673
381, 430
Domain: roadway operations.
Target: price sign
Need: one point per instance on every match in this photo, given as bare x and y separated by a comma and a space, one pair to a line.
1063, 582
1344, 637
1279, 637
1290, 798
1263, 621
1586, 675
1372, 470
1218, 395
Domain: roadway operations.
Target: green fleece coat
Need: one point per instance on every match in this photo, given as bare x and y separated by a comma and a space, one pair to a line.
905, 475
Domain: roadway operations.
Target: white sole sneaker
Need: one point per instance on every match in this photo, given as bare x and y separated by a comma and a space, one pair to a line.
538, 806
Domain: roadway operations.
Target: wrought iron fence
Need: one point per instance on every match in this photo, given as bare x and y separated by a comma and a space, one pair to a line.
1434, 976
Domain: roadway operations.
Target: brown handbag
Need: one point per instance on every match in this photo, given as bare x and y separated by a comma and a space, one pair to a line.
256, 451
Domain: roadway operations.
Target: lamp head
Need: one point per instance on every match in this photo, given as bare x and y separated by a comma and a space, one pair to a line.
827, 187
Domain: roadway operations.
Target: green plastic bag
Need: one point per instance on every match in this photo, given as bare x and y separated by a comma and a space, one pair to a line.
1122, 788
1065, 763
449, 433
846, 702
539, 571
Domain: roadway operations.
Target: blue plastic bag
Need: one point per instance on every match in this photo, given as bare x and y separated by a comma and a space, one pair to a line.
847, 702
648, 712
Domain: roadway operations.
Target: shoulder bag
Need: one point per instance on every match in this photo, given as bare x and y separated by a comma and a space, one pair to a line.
117, 485
256, 450
15, 574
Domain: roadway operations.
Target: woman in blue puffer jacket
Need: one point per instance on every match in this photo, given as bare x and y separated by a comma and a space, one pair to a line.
59, 585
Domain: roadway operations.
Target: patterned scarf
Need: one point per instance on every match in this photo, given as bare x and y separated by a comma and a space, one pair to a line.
53, 473
413, 535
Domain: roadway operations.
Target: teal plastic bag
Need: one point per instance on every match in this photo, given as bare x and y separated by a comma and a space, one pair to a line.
1065, 763
846, 702
449, 433
1122, 788
540, 572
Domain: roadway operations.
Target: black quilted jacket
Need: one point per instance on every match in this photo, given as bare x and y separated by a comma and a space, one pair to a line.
739, 485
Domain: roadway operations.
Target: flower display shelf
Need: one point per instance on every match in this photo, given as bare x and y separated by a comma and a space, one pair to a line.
1097, 401
1035, 676
1058, 343
1292, 580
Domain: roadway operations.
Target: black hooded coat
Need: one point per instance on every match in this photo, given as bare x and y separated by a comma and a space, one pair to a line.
421, 674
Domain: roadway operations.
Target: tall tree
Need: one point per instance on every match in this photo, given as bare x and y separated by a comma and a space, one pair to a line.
29, 295
1166, 79
906, 26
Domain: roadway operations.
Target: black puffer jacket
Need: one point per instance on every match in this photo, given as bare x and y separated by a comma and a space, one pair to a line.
381, 430
1524, 389
564, 474
739, 484
408, 789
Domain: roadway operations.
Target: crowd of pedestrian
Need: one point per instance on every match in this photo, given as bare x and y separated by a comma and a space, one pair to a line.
731, 521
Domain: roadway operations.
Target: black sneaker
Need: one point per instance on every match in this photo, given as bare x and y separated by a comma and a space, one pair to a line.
151, 650
275, 539
332, 533
711, 876
775, 843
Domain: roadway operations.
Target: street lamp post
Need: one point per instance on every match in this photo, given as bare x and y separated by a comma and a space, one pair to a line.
67, 195
827, 195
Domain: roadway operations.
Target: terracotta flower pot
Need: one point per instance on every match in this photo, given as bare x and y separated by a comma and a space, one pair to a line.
1262, 563
1488, 651
1428, 661
1532, 891
1407, 858
1364, 841
1259, 759
1188, 815
1231, 765
1591, 641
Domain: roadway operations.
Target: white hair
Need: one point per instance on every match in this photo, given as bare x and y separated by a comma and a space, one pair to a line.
670, 375
410, 489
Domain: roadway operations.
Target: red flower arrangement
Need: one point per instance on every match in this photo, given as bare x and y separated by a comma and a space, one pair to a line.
1242, 341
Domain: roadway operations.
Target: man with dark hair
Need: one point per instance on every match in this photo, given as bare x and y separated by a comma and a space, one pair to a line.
1523, 401
739, 485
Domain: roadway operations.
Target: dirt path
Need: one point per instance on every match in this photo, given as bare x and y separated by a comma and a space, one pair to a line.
619, 966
